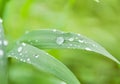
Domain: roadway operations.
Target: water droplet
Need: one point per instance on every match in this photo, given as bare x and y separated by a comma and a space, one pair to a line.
81, 41
1, 20
97, 1
24, 60
78, 34
37, 40
16, 57
5, 42
59, 40
54, 30
63, 83
28, 59
26, 32
19, 49
88, 49
36, 56
21, 59
23, 44
71, 39
94, 45
1, 52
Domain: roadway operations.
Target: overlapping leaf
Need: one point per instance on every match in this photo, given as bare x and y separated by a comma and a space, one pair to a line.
43, 61
3, 59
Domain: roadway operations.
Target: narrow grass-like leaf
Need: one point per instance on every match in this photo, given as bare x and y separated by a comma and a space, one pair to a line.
43, 61
3, 58
45, 39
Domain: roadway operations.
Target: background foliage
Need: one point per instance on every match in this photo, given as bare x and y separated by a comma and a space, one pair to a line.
99, 21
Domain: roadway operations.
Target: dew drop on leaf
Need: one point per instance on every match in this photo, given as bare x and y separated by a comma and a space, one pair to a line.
1, 52
37, 40
63, 83
20, 49
81, 41
21, 59
23, 44
88, 49
71, 39
59, 40
36, 56
94, 45
54, 30
5, 42
78, 34
28, 59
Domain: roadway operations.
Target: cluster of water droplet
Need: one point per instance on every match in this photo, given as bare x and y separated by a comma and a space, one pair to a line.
24, 54
73, 42
2, 42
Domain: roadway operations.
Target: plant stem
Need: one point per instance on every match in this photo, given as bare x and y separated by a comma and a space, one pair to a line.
3, 58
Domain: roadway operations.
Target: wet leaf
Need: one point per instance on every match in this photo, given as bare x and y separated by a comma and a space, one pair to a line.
53, 39
3, 58
42, 60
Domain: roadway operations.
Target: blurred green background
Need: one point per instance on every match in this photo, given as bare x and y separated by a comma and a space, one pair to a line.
98, 21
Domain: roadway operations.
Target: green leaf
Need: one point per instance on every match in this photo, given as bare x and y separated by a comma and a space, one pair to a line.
3, 58
49, 39
43, 61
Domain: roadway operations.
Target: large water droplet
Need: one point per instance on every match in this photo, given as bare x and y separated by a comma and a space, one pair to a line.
20, 49
59, 40
1, 52
36, 56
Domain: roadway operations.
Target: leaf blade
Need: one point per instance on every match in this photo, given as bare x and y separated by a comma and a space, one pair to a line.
44, 61
45, 39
